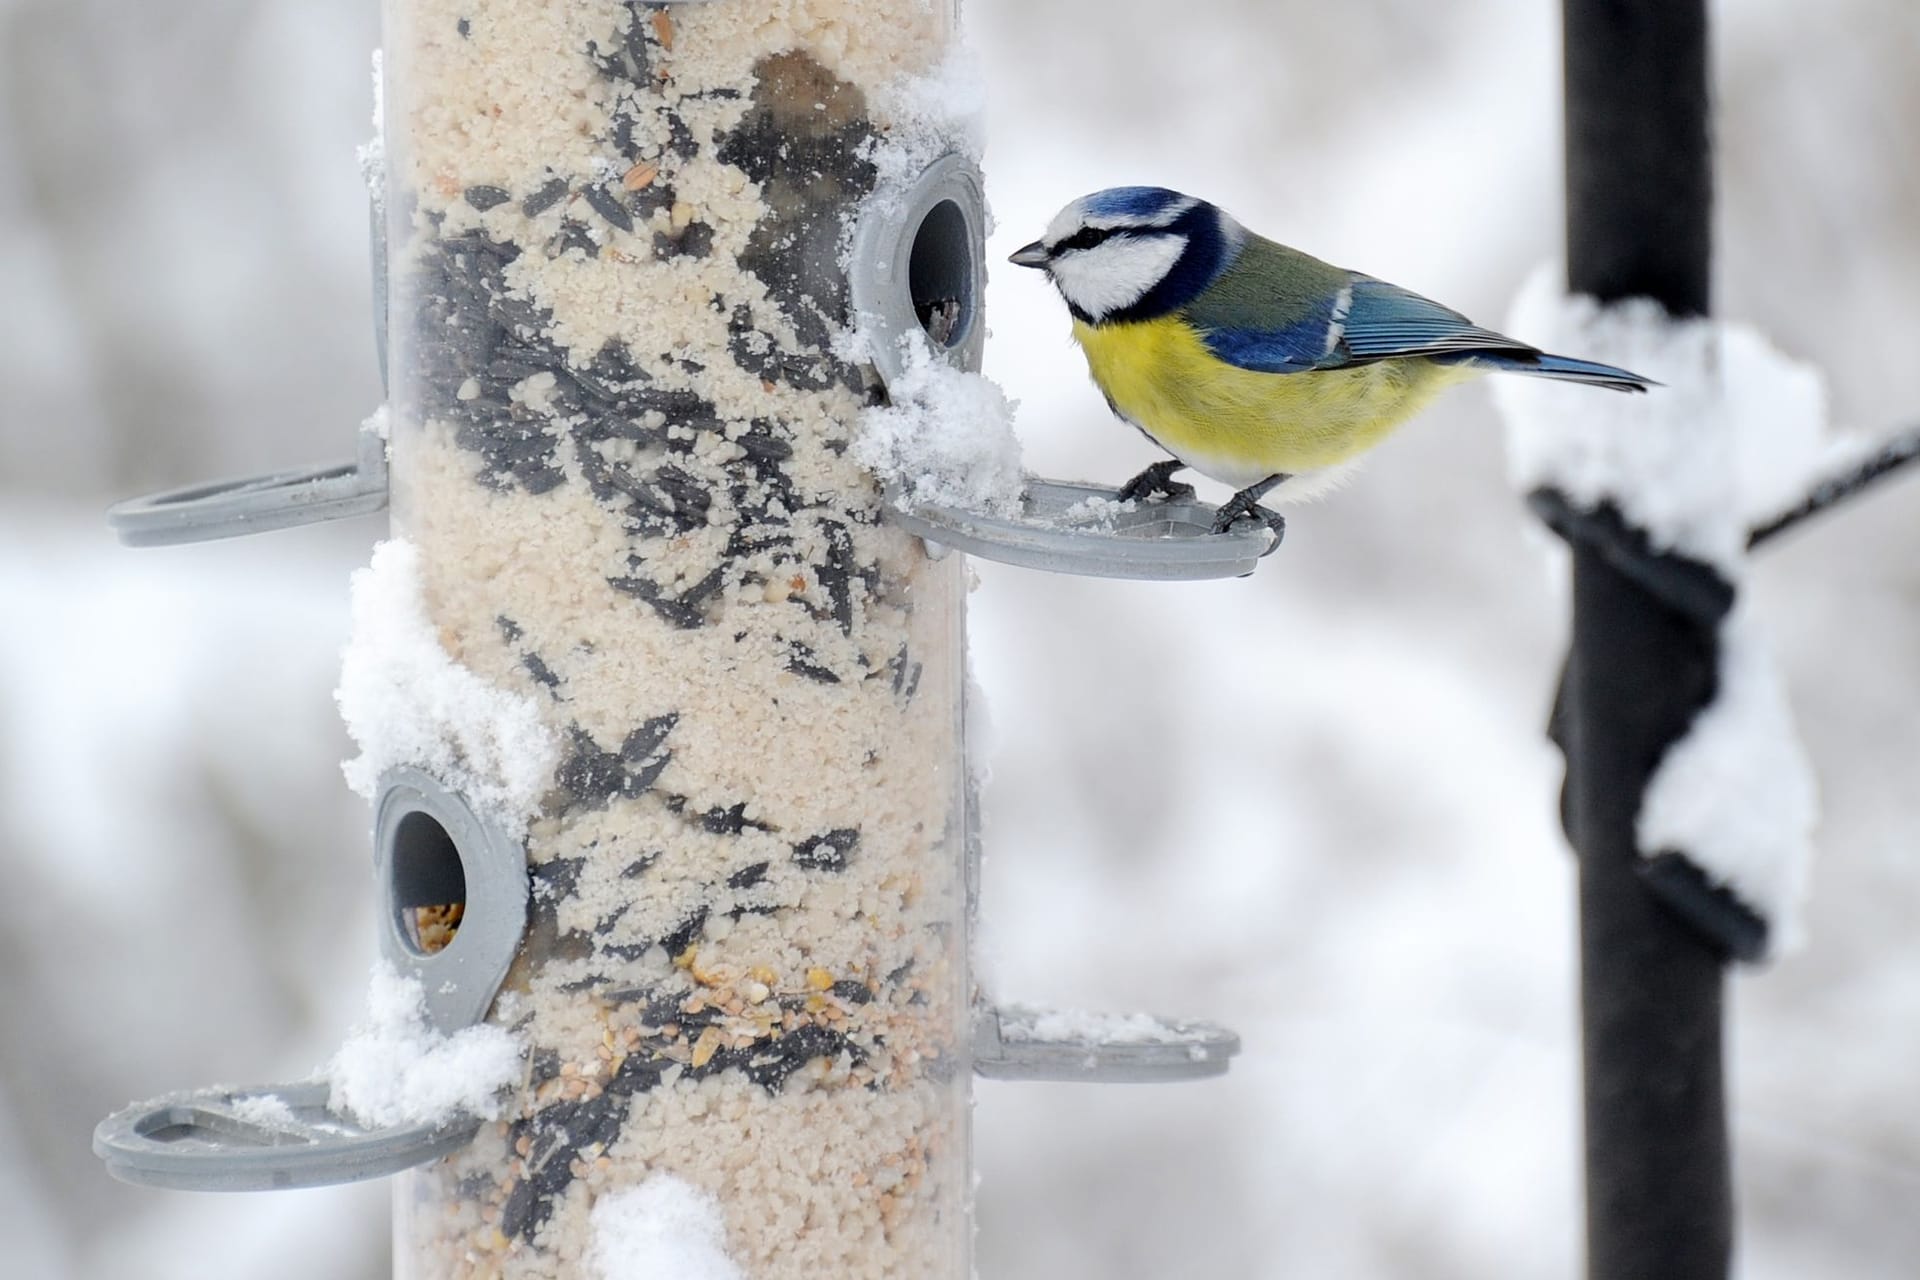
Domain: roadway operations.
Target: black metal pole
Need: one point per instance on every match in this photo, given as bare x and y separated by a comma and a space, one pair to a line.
1639, 154
1639, 202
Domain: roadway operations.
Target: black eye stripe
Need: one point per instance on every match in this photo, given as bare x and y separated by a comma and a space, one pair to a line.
1085, 238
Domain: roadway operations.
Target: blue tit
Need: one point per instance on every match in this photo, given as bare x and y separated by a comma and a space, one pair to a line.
1252, 363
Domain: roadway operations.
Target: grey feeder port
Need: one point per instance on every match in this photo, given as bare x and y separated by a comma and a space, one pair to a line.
1156, 541
436, 860
918, 264
1009, 1044
265, 1138
453, 891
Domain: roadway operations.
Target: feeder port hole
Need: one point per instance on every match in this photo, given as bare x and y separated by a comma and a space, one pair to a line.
940, 275
429, 883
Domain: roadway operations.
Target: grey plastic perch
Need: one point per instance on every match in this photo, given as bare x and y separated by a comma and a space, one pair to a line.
257, 504
1009, 1044
1155, 541
263, 1138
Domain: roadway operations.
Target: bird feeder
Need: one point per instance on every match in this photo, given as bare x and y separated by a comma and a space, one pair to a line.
730, 925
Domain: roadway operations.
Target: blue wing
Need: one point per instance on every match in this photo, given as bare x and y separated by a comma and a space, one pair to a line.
1293, 348
1365, 321
1387, 322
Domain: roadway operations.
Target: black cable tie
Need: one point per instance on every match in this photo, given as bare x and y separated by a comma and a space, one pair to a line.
1713, 910
1689, 587
1699, 593
1887, 460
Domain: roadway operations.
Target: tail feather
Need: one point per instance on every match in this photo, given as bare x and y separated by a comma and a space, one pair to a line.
1562, 368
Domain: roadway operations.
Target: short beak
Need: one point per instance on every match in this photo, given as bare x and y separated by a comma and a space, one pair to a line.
1032, 255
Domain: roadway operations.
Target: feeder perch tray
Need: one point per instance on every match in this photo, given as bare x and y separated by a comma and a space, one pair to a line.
257, 504
280, 499
1156, 541
1014, 1043
265, 1138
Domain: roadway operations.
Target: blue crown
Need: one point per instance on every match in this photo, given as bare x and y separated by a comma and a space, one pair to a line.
1148, 204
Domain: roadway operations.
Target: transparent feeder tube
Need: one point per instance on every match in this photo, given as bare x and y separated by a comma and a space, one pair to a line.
619, 444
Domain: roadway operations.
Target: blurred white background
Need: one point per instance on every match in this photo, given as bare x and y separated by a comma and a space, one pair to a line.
1315, 804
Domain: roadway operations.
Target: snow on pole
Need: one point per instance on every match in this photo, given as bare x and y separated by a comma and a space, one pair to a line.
1735, 432
622, 427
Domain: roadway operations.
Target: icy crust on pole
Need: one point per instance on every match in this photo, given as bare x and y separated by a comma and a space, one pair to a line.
623, 444
1736, 433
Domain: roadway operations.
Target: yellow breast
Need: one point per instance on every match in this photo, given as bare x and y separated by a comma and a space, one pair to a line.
1238, 426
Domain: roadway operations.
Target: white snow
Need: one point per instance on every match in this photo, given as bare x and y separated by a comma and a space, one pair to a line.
379, 422
930, 115
265, 1109
396, 1070
1737, 433
407, 703
662, 1228
1737, 794
1083, 1027
1095, 513
946, 439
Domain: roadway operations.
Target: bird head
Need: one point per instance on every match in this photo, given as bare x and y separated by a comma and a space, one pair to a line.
1133, 253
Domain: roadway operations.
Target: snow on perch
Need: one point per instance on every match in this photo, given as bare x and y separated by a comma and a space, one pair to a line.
1736, 434
396, 1070
407, 703
946, 439
1083, 1027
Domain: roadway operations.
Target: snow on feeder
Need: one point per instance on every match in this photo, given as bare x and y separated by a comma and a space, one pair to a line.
658, 693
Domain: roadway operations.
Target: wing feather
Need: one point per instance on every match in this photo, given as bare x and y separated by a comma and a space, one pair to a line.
1279, 311
1387, 322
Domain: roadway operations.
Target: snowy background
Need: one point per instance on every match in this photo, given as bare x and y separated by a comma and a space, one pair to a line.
1315, 804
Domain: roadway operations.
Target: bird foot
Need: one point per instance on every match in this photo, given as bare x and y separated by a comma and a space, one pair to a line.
1246, 505
1242, 507
1157, 479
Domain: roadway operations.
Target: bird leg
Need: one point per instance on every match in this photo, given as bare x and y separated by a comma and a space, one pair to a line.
1157, 479
1247, 503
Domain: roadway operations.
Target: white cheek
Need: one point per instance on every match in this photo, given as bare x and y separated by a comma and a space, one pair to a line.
1113, 276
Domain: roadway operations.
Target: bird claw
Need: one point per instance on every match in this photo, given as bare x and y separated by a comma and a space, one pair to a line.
1237, 509
1156, 479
